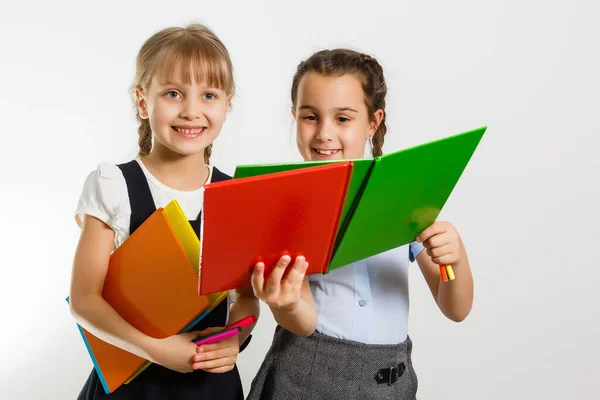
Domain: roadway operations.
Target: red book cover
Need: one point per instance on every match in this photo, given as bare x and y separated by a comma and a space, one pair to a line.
265, 217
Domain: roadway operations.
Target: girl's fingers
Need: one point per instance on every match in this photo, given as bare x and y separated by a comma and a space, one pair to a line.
435, 229
258, 279
296, 274
214, 364
274, 281
440, 251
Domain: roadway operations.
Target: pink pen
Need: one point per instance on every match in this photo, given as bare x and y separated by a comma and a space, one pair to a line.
218, 336
244, 322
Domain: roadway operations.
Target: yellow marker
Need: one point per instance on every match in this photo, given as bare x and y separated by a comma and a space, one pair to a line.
450, 272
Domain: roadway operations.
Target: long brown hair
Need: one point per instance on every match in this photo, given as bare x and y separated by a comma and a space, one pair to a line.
197, 52
344, 61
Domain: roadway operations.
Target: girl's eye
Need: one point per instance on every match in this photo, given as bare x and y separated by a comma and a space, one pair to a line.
343, 119
309, 118
173, 94
210, 96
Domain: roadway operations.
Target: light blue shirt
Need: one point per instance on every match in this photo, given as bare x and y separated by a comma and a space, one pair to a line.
366, 301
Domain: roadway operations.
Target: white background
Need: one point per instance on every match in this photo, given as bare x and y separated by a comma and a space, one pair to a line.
526, 207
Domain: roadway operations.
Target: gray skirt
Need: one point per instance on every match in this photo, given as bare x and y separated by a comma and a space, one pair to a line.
324, 367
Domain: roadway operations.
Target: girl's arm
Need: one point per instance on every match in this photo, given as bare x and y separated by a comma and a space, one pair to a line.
290, 298
94, 314
443, 245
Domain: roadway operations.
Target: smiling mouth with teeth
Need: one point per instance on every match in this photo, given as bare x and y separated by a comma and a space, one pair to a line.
189, 132
328, 152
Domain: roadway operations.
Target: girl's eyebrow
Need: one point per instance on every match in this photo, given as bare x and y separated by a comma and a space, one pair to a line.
170, 83
338, 109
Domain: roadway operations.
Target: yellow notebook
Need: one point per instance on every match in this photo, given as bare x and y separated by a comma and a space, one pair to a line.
185, 233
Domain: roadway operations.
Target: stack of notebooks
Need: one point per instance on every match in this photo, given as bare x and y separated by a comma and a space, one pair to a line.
332, 212
152, 282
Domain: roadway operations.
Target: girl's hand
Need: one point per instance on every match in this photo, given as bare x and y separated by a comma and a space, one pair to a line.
217, 357
175, 352
442, 242
278, 292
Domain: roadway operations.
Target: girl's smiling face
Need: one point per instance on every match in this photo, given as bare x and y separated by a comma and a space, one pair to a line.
332, 120
185, 116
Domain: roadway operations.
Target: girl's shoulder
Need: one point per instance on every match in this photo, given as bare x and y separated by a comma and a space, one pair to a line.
104, 196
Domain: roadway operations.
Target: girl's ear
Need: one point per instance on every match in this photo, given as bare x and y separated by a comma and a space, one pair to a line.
377, 118
293, 112
141, 103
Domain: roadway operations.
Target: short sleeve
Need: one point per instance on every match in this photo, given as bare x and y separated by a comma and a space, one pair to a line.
103, 195
413, 251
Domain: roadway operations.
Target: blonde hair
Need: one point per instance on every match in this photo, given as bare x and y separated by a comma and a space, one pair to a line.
193, 51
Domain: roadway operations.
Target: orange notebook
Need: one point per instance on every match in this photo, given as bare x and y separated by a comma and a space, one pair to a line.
152, 284
294, 212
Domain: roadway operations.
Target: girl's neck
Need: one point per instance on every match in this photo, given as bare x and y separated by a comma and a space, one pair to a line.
179, 172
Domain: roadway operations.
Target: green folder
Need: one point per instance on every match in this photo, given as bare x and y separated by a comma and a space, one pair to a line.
391, 198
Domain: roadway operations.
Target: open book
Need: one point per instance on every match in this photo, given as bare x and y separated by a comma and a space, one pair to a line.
332, 212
